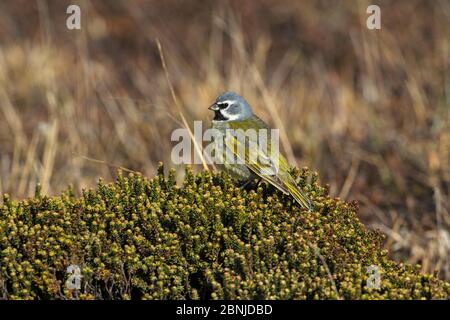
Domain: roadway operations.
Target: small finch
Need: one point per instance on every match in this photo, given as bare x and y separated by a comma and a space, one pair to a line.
233, 113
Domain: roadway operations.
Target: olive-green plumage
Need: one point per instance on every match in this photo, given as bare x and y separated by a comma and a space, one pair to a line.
233, 112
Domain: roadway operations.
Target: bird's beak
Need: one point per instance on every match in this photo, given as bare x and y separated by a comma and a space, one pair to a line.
214, 107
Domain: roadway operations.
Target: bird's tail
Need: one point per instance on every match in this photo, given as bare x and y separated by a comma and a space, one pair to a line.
300, 196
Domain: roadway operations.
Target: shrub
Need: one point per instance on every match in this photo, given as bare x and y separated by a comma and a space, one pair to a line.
207, 239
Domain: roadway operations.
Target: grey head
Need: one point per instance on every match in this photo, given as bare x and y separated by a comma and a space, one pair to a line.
230, 106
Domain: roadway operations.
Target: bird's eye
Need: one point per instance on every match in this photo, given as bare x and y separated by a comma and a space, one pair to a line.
223, 105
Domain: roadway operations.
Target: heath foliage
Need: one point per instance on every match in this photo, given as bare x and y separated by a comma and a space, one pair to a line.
139, 238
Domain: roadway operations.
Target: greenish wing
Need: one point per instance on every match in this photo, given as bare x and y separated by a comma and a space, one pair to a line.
271, 168
274, 168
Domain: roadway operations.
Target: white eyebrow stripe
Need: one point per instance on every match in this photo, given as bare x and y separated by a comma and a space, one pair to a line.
226, 101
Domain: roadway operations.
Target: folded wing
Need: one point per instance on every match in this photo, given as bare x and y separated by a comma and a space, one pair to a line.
263, 159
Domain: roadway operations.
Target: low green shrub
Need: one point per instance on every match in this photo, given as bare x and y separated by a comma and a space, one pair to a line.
207, 239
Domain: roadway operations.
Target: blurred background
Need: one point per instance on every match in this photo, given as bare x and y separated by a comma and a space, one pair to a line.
368, 109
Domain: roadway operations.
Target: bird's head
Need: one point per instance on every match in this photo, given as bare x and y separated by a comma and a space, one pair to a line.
230, 106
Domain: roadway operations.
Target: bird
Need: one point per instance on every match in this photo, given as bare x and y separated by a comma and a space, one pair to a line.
233, 113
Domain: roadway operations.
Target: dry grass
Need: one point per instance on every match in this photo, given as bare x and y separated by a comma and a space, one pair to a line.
369, 110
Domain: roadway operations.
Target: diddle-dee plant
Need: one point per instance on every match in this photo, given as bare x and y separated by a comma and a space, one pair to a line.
139, 238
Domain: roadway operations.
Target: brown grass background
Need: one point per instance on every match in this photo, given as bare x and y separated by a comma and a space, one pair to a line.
369, 110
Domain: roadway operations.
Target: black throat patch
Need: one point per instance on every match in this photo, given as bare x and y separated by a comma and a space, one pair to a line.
218, 116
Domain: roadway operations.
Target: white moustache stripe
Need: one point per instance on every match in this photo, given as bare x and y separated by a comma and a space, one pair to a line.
230, 117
